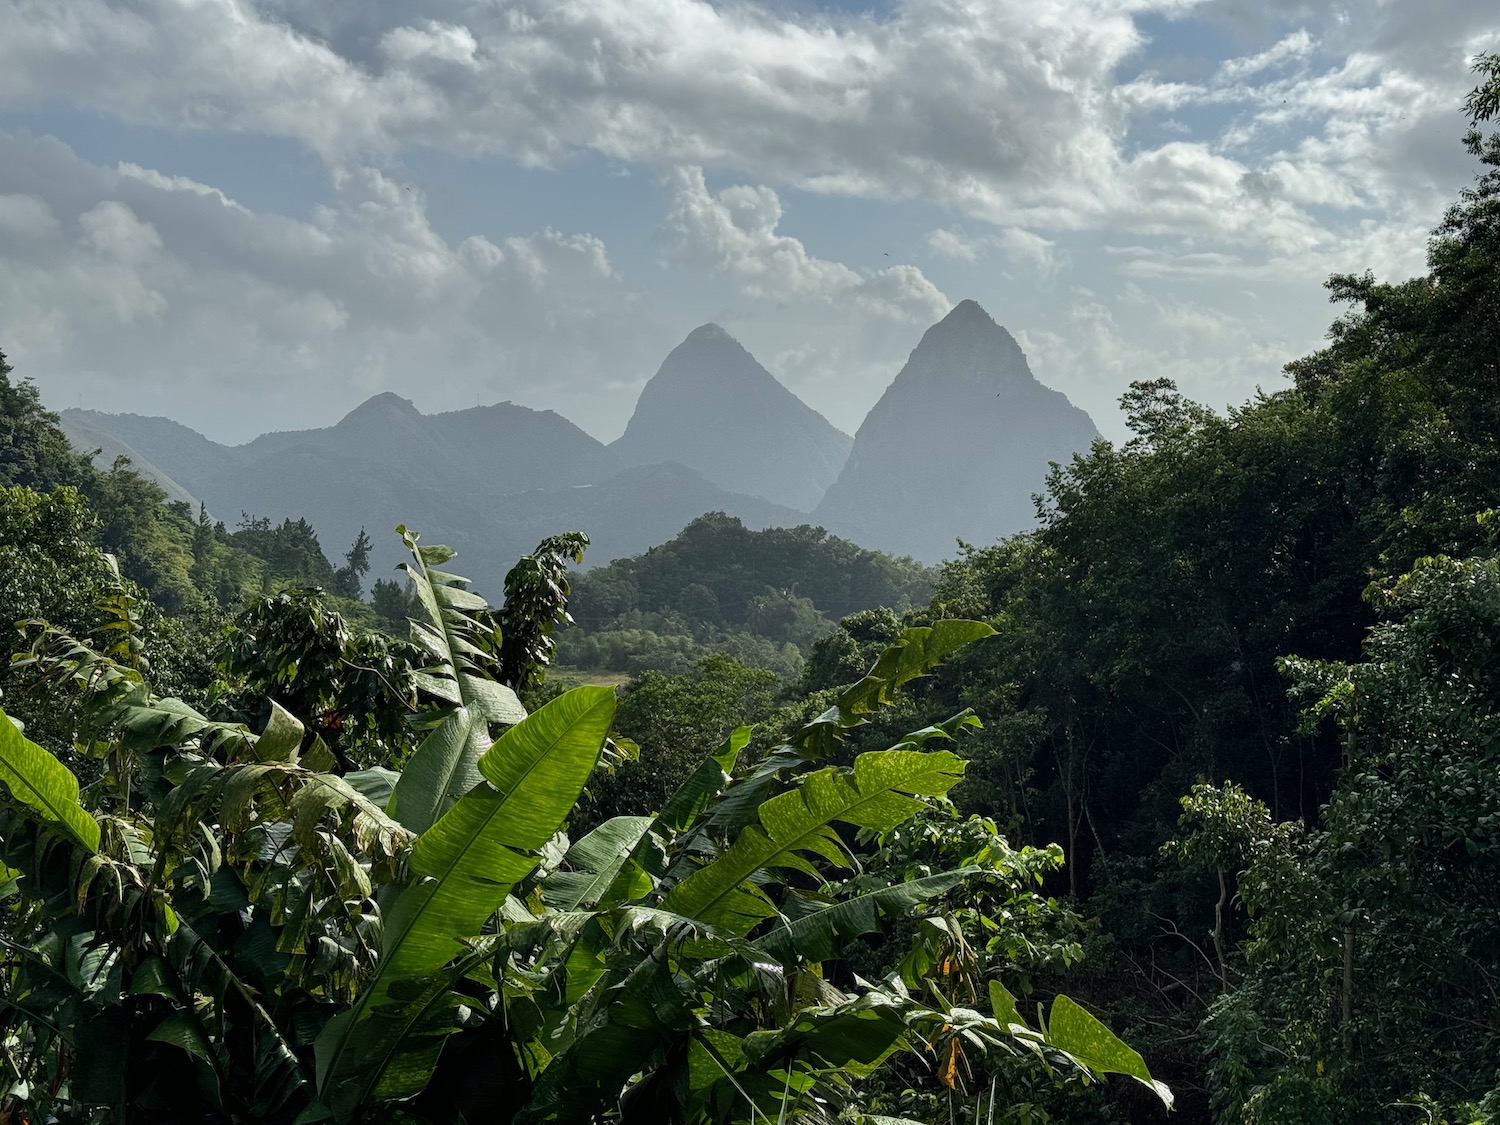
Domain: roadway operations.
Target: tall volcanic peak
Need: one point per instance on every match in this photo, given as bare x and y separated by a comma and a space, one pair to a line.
956, 447
713, 408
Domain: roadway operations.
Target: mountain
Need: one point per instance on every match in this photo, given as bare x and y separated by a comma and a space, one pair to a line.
490, 482
107, 447
955, 447
713, 408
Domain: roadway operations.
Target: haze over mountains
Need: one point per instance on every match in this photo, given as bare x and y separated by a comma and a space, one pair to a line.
954, 449
712, 407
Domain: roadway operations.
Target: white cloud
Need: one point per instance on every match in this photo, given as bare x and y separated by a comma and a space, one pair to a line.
1009, 111
112, 230
1329, 144
1031, 250
25, 216
950, 244
159, 295
734, 233
1295, 47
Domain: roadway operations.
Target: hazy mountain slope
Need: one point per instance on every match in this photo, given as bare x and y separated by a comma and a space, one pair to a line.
490, 482
84, 436
955, 447
182, 453
713, 408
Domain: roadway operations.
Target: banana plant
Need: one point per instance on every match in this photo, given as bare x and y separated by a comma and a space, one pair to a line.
464, 865
46, 787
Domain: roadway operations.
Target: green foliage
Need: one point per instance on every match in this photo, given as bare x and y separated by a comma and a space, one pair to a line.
394, 604
246, 902
677, 721
536, 602
348, 580
842, 656
39, 781
290, 551
1372, 938
764, 597
352, 687
33, 451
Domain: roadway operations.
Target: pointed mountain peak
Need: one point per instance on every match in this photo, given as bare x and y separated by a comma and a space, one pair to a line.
712, 407
709, 333
967, 310
967, 318
956, 446
382, 405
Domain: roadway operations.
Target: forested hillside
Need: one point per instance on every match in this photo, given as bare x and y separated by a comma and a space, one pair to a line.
764, 597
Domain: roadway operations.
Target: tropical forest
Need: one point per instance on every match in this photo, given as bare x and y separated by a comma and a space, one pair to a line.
1181, 803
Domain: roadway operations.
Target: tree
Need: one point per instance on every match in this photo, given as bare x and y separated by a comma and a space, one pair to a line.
348, 580
394, 603
34, 453
1371, 951
678, 720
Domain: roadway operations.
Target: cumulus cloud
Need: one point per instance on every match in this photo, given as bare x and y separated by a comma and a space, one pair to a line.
1095, 346
1028, 252
734, 233
1010, 112
25, 217
160, 295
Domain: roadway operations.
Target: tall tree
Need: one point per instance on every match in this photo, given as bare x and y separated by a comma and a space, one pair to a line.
33, 451
348, 580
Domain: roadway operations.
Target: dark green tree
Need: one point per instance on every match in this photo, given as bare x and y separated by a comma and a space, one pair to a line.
1368, 973
348, 580
677, 720
34, 452
394, 603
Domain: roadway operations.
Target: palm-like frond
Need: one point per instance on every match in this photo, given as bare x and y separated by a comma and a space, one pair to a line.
458, 644
881, 790
44, 785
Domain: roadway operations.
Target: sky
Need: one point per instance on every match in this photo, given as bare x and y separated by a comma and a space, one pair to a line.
252, 215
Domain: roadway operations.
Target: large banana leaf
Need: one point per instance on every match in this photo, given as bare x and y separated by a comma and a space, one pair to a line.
446, 765
818, 928
616, 861
916, 652
878, 793
465, 863
1072, 1029
39, 781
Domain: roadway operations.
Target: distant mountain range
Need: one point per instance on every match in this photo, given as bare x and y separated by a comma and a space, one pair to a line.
955, 448
491, 482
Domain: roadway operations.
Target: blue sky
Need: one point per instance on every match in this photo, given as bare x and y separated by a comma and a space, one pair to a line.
253, 214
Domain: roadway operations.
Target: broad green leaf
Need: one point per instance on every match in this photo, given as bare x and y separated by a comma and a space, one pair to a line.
685, 806
816, 935
1072, 1029
182, 1030
1003, 1005
375, 784
594, 863
879, 792
39, 781
465, 864
917, 652
281, 738
446, 765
